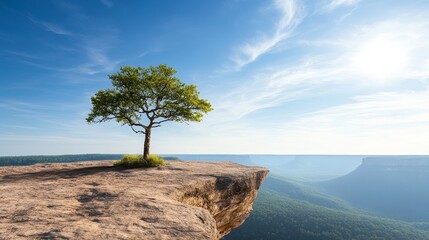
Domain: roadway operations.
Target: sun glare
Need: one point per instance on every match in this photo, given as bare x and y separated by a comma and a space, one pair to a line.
380, 58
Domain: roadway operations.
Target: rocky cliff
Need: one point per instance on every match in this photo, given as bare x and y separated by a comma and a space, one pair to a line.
92, 200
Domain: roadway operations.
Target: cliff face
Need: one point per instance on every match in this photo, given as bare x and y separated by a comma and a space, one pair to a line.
92, 200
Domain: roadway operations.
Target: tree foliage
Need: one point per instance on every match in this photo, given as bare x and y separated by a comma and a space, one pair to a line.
144, 98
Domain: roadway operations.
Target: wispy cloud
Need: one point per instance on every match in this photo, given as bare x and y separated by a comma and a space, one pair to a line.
327, 72
145, 53
92, 49
107, 3
22, 107
323, 43
18, 127
380, 123
278, 85
38, 111
98, 62
31, 62
50, 27
393, 122
21, 54
291, 16
340, 3
385, 109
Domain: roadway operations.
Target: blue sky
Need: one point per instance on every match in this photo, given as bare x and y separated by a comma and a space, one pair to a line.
284, 76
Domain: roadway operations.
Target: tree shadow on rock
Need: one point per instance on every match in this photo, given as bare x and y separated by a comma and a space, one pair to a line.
56, 174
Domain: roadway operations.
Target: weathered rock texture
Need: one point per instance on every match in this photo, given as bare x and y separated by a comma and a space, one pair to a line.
92, 200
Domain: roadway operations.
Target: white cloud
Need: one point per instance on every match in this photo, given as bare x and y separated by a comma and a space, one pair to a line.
23, 107
275, 87
99, 62
329, 72
50, 27
16, 126
340, 3
145, 53
290, 17
380, 123
386, 109
22, 54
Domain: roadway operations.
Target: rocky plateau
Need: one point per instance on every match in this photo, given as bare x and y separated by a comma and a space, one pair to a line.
93, 200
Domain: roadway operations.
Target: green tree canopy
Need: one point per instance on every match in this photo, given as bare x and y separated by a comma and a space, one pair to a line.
144, 98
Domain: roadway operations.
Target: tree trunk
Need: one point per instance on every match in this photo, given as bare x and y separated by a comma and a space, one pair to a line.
147, 143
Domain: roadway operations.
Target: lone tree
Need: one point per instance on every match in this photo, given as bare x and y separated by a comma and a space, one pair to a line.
144, 98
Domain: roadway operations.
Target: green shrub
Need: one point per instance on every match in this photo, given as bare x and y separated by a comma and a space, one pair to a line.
139, 161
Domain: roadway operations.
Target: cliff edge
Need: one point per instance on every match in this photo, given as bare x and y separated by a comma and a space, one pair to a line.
92, 200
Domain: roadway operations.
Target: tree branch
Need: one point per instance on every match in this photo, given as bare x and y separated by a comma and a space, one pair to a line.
136, 130
131, 123
159, 122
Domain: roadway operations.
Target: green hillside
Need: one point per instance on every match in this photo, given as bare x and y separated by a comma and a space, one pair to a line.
298, 191
279, 217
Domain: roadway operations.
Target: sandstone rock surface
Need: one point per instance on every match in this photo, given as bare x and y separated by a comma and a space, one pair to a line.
92, 200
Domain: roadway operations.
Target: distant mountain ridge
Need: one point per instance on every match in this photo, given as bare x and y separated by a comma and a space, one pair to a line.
394, 187
302, 167
396, 162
